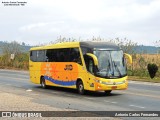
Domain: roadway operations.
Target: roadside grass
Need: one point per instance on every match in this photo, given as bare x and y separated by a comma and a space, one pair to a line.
144, 79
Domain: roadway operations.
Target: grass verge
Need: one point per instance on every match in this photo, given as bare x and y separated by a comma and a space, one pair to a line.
144, 79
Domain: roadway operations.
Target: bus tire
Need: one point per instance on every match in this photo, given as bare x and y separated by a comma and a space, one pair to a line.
108, 92
43, 83
80, 87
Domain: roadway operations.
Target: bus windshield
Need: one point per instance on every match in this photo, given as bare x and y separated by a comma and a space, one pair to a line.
111, 64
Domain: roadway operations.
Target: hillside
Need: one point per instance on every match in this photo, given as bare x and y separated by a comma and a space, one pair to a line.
146, 49
25, 48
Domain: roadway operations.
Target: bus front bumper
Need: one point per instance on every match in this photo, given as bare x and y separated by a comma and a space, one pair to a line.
114, 86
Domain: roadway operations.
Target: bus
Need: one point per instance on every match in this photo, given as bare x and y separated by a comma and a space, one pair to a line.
87, 65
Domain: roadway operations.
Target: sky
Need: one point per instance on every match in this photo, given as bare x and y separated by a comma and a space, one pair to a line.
43, 21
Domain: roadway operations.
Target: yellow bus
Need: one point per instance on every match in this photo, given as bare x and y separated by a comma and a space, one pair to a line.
93, 66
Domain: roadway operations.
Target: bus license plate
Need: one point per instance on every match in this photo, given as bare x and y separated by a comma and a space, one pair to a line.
114, 87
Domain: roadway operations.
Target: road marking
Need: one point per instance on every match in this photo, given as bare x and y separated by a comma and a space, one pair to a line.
110, 102
29, 90
106, 101
137, 106
139, 94
114, 102
89, 98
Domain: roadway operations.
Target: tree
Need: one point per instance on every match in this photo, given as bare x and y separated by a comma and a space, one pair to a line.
126, 45
20, 59
12, 48
23, 43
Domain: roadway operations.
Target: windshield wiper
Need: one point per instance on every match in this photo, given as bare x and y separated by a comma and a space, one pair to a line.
117, 69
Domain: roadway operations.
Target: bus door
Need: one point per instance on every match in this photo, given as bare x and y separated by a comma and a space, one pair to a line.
90, 71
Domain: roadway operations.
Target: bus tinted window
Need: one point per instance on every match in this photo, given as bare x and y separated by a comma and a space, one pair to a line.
86, 50
37, 55
40, 56
75, 55
56, 55
51, 55
63, 55
33, 55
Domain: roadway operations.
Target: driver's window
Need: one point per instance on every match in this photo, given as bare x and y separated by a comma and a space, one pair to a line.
91, 66
89, 63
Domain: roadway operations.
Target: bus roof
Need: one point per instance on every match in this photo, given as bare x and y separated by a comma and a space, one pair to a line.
57, 45
100, 45
88, 44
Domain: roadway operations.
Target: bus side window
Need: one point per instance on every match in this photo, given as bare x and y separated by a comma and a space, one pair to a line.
50, 55
33, 55
91, 66
40, 55
86, 50
61, 57
75, 56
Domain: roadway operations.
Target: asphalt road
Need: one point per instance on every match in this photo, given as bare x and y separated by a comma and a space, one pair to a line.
140, 96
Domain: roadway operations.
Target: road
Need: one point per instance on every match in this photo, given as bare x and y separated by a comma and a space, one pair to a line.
140, 96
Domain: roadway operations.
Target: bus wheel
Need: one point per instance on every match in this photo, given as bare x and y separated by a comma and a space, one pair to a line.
108, 92
80, 87
43, 83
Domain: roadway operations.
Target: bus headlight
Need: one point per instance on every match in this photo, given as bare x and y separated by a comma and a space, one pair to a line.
110, 83
98, 81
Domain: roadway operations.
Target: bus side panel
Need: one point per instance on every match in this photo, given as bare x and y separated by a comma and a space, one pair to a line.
62, 74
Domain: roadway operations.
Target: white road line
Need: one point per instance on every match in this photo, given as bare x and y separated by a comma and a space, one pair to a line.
114, 102
110, 102
106, 101
137, 106
89, 98
28, 90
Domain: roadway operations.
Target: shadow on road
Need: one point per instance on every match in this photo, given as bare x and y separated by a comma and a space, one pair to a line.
69, 91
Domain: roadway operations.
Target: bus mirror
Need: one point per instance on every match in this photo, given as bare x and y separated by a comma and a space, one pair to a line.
94, 58
129, 57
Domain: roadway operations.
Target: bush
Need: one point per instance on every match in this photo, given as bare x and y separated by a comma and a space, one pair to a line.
138, 72
152, 69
